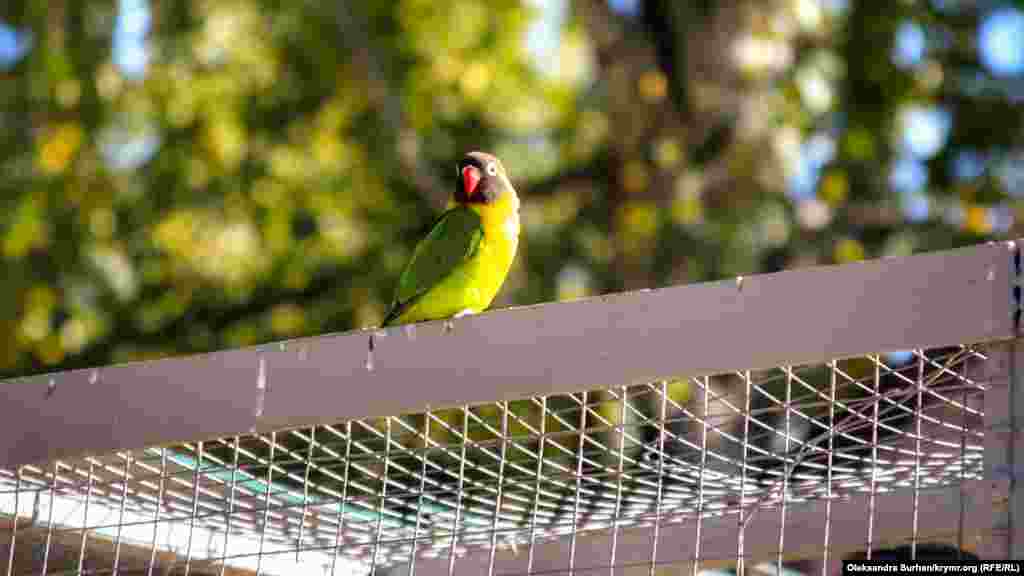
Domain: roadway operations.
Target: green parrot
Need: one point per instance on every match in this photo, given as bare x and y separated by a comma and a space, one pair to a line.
458, 268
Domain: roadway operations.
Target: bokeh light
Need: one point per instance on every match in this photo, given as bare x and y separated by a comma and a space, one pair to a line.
130, 52
909, 49
627, 7
1001, 42
924, 130
14, 45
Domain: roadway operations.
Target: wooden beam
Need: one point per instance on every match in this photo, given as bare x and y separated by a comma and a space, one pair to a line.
809, 315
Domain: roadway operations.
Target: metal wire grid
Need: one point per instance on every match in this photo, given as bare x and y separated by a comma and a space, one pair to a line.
363, 495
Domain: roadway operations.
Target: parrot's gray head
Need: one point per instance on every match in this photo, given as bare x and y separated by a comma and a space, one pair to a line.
481, 179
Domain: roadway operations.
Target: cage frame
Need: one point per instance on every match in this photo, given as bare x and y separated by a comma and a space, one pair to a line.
929, 300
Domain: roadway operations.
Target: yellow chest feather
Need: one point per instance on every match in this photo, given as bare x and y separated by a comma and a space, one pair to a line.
501, 239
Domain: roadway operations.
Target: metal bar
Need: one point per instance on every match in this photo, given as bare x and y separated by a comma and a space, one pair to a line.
379, 531
120, 512
458, 496
196, 477
49, 517
578, 477
1009, 477
14, 521
85, 517
420, 494
961, 530
343, 502
702, 471
662, 416
1015, 455
156, 512
891, 304
305, 494
874, 455
266, 503
1015, 497
501, 481
998, 428
785, 476
740, 516
233, 485
826, 548
918, 407
621, 428
537, 484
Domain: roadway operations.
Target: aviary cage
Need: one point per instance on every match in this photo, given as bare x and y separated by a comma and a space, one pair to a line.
772, 423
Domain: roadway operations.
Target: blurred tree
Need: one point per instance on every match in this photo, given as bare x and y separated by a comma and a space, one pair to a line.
186, 176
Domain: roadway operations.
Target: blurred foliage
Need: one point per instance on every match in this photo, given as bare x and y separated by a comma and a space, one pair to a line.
186, 176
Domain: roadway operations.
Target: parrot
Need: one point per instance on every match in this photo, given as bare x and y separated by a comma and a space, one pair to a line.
459, 266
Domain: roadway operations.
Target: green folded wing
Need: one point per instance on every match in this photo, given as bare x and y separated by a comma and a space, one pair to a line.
453, 240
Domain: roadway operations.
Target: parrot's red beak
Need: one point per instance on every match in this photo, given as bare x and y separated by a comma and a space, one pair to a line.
470, 179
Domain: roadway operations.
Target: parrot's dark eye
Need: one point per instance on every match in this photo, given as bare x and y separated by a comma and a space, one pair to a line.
492, 169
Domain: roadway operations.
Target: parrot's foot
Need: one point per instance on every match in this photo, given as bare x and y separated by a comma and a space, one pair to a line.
449, 324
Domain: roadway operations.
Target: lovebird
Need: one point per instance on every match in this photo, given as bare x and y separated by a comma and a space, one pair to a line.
458, 268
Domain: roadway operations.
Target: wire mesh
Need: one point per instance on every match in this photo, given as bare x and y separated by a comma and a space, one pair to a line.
389, 495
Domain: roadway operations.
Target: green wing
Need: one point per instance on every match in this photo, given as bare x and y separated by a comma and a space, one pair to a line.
453, 240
